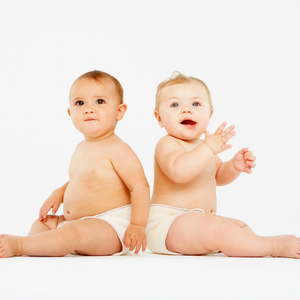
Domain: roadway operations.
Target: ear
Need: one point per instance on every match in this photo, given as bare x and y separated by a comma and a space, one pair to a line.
211, 113
122, 108
69, 112
158, 118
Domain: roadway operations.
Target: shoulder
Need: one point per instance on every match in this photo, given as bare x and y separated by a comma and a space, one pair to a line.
118, 148
80, 144
117, 143
168, 140
168, 144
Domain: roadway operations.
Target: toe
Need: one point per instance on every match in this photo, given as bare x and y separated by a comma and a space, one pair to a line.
3, 254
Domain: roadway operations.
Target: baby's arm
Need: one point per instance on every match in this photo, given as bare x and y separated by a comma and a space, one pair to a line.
181, 165
129, 168
54, 202
228, 171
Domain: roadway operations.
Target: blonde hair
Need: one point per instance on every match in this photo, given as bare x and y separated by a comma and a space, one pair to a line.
98, 76
178, 78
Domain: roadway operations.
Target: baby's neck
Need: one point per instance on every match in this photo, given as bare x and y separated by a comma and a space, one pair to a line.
105, 137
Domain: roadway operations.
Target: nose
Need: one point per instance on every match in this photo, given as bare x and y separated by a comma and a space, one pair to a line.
186, 110
88, 110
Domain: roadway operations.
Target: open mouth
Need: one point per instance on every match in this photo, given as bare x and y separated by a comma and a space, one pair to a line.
188, 122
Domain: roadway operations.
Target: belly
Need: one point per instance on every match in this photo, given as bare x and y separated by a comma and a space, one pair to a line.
84, 198
186, 196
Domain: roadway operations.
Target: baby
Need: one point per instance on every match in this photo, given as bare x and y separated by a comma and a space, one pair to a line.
187, 170
107, 199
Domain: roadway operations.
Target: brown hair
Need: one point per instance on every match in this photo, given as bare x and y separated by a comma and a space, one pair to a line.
98, 76
178, 78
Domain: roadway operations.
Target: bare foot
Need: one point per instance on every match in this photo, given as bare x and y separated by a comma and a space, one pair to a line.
286, 246
8, 247
7, 236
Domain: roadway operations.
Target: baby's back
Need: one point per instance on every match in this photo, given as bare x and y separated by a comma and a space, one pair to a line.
94, 186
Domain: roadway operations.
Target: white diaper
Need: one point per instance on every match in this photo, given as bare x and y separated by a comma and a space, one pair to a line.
118, 218
160, 220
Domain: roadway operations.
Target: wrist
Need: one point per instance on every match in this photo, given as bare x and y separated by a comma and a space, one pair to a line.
58, 193
204, 142
233, 165
138, 224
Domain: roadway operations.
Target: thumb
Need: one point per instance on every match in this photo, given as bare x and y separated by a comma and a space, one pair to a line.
126, 241
206, 132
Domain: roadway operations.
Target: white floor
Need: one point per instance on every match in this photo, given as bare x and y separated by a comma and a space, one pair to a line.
149, 276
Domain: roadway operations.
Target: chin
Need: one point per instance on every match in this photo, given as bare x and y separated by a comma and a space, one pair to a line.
187, 137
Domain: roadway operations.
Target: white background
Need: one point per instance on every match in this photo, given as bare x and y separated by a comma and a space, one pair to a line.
246, 51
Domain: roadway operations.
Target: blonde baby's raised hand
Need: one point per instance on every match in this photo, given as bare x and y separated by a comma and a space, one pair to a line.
135, 238
244, 161
217, 142
54, 202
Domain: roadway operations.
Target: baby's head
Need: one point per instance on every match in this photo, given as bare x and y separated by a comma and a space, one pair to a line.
96, 104
183, 106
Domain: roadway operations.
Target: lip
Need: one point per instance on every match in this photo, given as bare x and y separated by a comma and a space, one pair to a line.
188, 123
90, 119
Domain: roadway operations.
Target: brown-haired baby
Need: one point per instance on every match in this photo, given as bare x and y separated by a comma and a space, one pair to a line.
106, 200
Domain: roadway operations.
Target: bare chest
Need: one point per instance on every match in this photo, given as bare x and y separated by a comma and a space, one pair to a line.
89, 162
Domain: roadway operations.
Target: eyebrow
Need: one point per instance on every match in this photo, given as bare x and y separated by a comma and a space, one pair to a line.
193, 98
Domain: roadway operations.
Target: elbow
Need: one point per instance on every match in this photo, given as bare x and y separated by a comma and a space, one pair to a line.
181, 177
220, 182
144, 187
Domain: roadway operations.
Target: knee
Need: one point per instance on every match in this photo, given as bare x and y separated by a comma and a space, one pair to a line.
48, 222
76, 230
217, 226
241, 224
51, 221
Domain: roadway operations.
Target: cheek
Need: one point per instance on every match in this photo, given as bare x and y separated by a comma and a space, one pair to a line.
168, 118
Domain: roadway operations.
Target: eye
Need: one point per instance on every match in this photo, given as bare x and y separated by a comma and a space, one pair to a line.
174, 105
196, 104
100, 101
79, 103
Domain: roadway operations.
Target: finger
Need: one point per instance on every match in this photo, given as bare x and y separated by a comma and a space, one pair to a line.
55, 207
250, 164
138, 247
206, 132
245, 151
228, 130
248, 153
144, 245
126, 241
227, 137
226, 146
44, 214
251, 157
132, 245
249, 171
40, 214
46, 211
221, 128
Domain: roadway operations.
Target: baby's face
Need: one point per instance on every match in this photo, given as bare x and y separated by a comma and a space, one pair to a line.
95, 108
184, 110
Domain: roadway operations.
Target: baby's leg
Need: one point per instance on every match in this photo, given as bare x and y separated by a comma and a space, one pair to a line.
41, 226
241, 224
196, 233
88, 237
